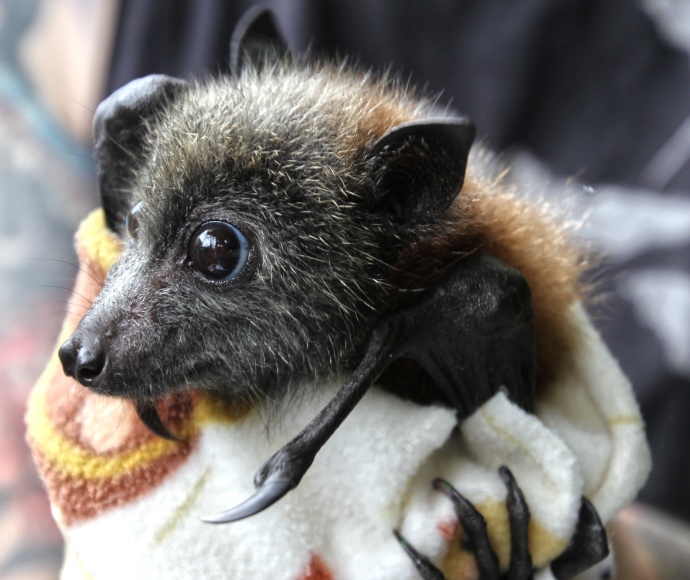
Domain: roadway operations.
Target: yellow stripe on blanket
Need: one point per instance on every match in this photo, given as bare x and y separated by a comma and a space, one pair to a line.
73, 459
99, 244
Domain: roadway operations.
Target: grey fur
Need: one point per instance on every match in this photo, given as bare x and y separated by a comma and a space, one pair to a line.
283, 154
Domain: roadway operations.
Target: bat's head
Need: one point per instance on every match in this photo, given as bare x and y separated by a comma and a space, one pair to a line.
260, 215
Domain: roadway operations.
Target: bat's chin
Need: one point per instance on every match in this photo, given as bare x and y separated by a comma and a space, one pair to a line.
120, 391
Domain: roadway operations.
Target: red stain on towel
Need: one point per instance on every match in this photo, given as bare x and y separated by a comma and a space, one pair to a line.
317, 570
448, 529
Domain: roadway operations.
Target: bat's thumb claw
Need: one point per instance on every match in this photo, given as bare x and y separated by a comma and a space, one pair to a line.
265, 496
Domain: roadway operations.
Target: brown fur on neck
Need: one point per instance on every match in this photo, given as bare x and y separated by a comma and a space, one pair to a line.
489, 215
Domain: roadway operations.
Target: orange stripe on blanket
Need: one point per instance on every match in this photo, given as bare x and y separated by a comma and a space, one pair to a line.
84, 471
64, 445
60, 416
79, 499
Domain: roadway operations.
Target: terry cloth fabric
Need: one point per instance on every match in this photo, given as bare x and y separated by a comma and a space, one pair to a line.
128, 503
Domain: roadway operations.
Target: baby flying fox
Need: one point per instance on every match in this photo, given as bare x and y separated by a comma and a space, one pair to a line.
297, 221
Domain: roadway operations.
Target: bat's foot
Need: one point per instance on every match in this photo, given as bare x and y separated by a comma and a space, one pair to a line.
588, 546
476, 539
424, 566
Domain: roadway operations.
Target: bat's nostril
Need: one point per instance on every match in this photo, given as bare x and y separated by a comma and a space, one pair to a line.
68, 357
89, 367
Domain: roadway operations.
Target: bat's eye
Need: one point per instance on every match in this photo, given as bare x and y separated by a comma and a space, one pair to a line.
132, 223
218, 250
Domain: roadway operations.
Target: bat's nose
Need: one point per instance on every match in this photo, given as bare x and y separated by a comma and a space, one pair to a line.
83, 360
68, 357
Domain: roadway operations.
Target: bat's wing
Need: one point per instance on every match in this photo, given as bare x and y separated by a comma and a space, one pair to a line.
472, 332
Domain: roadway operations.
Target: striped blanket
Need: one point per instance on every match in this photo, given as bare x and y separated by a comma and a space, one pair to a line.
129, 503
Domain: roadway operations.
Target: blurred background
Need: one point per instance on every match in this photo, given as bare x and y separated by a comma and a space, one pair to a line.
588, 100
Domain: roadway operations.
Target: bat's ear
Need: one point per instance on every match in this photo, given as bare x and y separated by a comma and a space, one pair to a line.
418, 168
120, 126
256, 41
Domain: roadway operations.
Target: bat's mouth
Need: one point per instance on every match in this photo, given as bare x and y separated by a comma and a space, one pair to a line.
86, 362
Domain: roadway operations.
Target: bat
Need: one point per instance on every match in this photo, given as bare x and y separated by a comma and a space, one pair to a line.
297, 220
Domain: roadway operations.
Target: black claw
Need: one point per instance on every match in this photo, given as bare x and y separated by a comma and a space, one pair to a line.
520, 567
264, 497
474, 526
286, 467
588, 547
424, 566
151, 419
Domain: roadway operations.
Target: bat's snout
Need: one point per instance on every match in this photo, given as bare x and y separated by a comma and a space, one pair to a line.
83, 359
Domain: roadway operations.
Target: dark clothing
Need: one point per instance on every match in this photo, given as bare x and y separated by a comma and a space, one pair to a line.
588, 86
